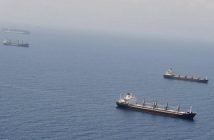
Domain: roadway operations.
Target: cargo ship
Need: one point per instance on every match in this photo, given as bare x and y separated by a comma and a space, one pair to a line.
129, 101
169, 74
18, 44
7, 30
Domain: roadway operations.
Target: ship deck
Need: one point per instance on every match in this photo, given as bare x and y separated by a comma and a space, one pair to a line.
157, 109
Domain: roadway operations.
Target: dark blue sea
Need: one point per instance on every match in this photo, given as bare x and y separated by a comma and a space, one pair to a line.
64, 86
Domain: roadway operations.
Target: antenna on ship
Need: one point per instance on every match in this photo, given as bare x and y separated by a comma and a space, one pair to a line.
166, 106
190, 109
178, 109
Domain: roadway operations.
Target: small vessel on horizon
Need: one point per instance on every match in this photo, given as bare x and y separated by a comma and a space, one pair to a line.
128, 101
169, 74
18, 44
19, 31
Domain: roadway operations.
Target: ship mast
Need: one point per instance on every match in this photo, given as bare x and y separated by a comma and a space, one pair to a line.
190, 109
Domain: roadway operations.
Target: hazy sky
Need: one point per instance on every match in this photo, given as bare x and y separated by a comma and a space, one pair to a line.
193, 19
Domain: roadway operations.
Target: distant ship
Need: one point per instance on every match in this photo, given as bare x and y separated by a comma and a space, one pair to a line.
18, 44
128, 101
172, 75
7, 30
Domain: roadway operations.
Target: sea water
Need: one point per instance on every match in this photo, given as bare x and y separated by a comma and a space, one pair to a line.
64, 86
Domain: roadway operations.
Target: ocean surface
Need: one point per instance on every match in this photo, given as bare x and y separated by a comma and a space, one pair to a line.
64, 86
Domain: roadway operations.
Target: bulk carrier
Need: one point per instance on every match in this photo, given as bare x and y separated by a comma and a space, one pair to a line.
169, 74
18, 44
128, 101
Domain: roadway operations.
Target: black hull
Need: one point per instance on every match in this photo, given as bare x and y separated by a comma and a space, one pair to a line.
185, 78
186, 115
